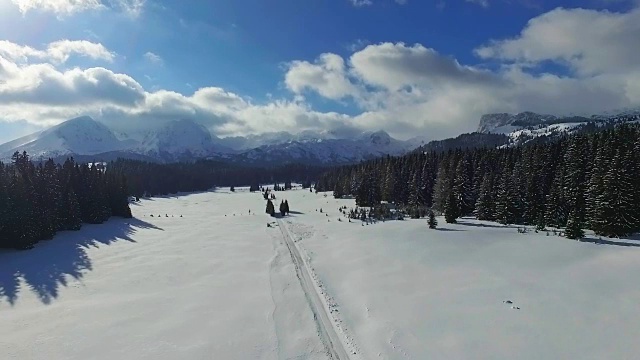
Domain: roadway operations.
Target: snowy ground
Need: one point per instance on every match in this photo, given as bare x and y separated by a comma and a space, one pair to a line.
210, 286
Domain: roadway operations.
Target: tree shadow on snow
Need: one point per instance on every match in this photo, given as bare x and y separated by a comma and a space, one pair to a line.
483, 225
45, 268
445, 229
621, 242
296, 213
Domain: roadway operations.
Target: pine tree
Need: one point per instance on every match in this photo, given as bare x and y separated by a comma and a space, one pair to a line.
433, 222
462, 187
337, 191
505, 212
232, 189
485, 206
270, 208
575, 177
574, 226
442, 186
451, 211
389, 184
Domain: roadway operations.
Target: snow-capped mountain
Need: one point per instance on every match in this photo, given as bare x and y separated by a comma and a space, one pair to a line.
524, 127
240, 143
505, 123
81, 135
327, 151
179, 139
85, 138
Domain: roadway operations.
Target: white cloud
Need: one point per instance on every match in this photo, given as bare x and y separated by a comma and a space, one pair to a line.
483, 3
394, 66
326, 76
60, 51
588, 41
70, 7
60, 7
153, 58
407, 90
132, 8
414, 89
361, 2
57, 52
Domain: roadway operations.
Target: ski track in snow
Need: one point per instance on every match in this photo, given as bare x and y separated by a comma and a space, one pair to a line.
326, 329
290, 309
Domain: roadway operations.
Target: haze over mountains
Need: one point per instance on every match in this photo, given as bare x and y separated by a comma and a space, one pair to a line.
184, 139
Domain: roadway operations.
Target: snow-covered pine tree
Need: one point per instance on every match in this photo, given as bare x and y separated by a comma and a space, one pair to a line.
442, 186
574, 185
617, 201
595, 188
337, 191
574, 226
389, 184
486, 206
433, 222
462, 187
556, 206
451, 211
415, 191
505, 199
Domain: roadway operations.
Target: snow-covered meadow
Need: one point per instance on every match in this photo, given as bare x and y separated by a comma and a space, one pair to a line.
204, 279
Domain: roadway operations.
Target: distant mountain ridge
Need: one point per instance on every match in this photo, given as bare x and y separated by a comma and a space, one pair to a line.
186, 140
503, 123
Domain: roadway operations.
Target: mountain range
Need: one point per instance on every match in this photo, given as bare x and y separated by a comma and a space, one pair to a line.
184, 140
88, 139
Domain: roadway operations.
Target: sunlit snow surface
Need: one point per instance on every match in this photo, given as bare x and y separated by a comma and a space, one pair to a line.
210, 286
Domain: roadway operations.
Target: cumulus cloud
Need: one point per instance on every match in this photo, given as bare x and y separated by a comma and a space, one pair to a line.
414, 89
57, 52
405, 89
327, 76
587, 41
394, 66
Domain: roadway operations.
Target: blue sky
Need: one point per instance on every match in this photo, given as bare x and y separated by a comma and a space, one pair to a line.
411, 67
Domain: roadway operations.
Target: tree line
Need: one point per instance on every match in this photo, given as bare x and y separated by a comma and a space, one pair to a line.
37, 201
586, 180
153, 179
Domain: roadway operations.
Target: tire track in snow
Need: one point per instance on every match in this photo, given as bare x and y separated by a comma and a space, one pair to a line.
327, 332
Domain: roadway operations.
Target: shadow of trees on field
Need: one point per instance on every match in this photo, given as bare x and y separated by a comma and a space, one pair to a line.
44, 268
446, 229
607, 241
483, 225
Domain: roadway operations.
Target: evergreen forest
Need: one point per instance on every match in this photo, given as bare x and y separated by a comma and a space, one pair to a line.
586, 180
37, 201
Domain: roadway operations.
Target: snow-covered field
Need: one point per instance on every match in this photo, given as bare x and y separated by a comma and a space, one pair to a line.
217, 283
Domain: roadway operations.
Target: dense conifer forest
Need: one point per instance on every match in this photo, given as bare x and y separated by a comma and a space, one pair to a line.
587, 180
36, 201
152, 179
